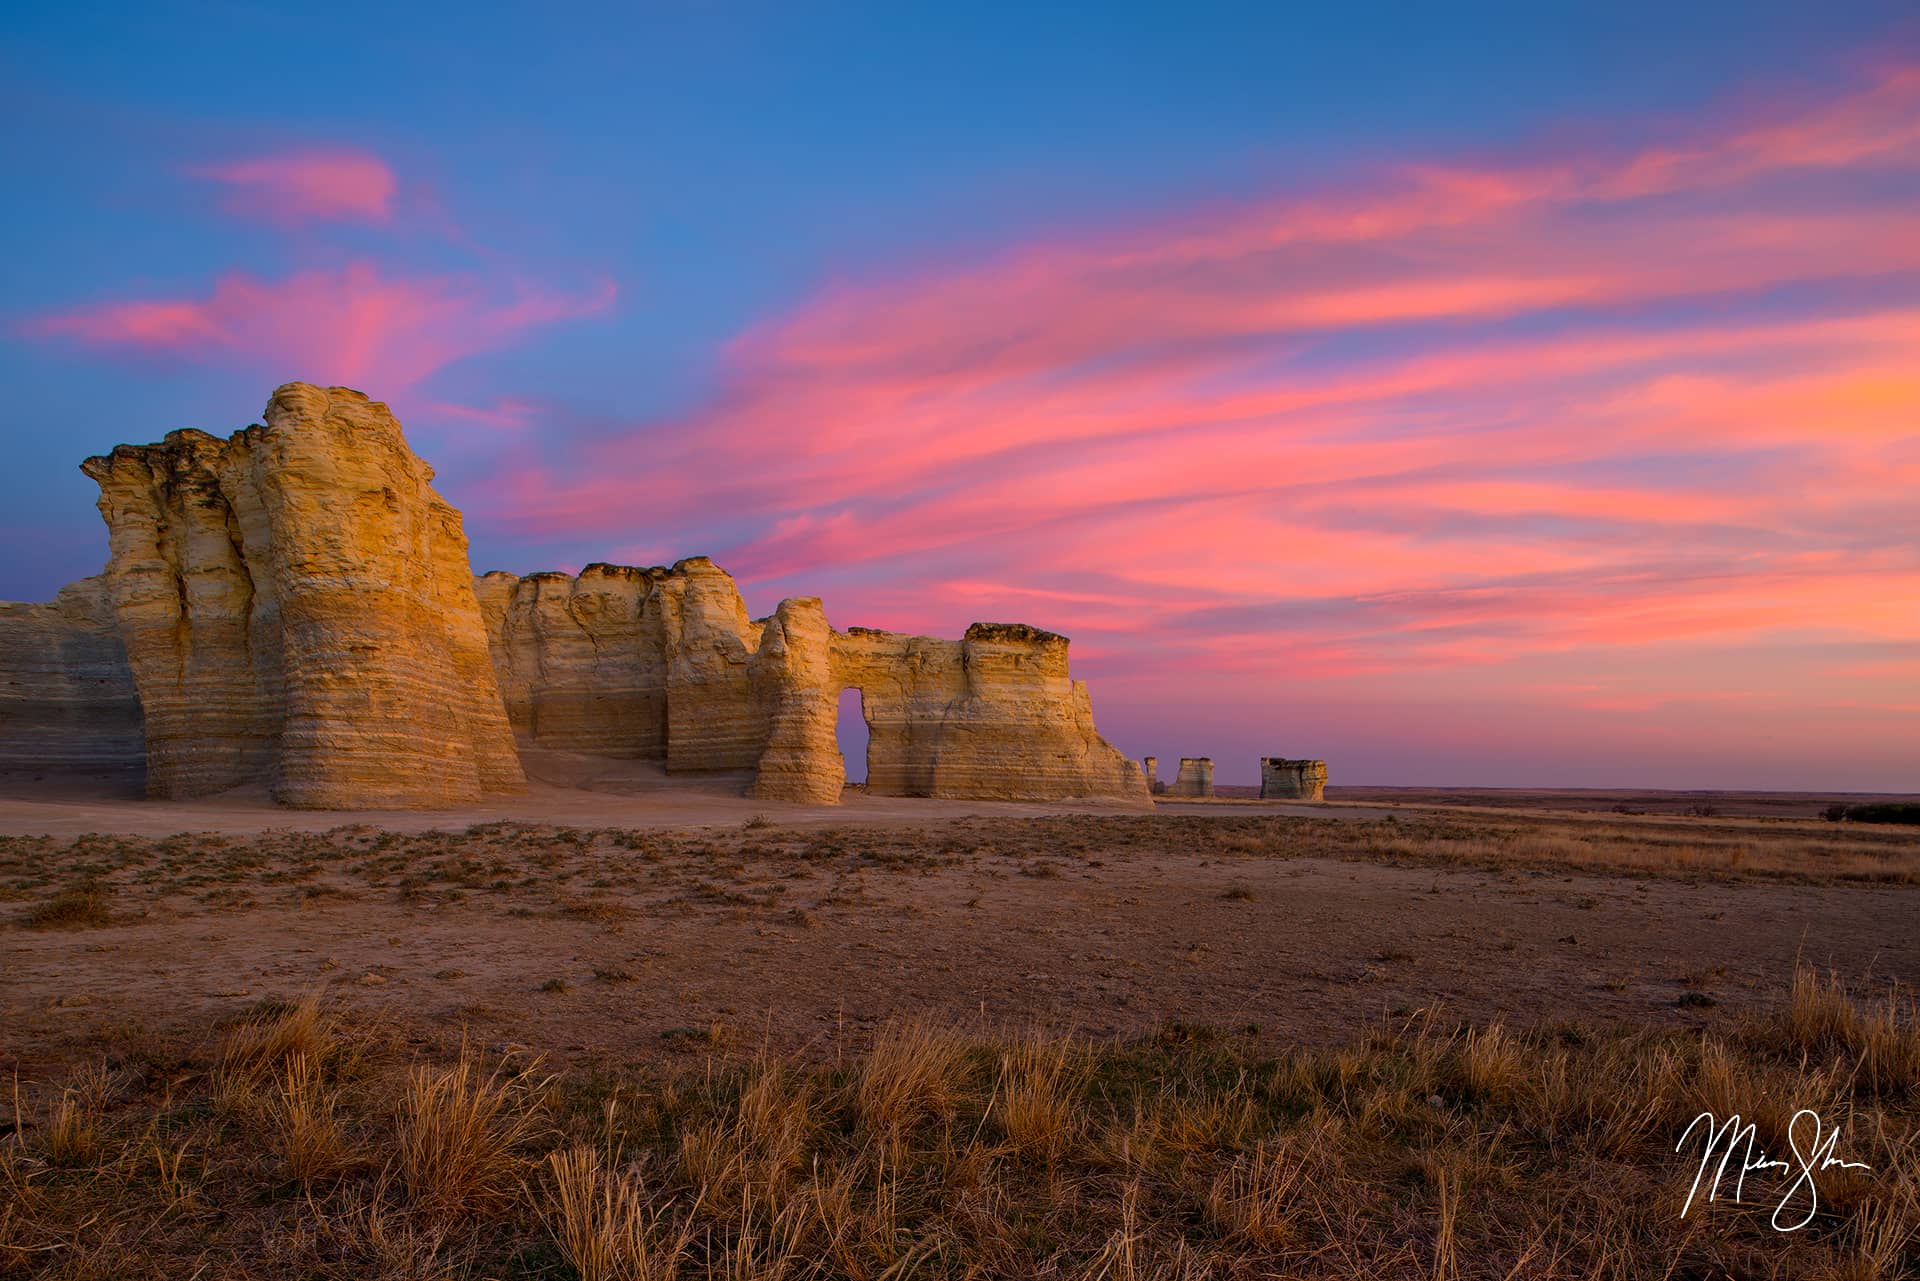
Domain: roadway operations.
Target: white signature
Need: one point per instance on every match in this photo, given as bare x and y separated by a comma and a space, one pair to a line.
1733, 1136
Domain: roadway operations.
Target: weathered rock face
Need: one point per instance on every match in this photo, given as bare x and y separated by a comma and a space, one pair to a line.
297, 607
642, 663
714, 720
797, 698
1288, 780
202, 638
1195, 777
665, 664
1150, 766
66, 692
993, 715
581, 662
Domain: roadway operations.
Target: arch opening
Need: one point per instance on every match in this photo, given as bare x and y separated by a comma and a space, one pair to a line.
850, 730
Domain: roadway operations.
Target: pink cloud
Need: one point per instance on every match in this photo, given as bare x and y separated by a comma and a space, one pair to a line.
354, 326
1462, 421
312, 185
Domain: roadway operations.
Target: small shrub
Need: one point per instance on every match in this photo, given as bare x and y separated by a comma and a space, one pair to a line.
81, 906
1884, 812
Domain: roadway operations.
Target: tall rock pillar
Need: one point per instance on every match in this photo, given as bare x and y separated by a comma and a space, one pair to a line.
297, 606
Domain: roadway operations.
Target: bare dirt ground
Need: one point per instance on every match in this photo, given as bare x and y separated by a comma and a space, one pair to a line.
643, 939
562, 788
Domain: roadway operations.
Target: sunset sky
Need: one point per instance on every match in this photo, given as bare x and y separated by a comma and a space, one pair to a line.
1465, 396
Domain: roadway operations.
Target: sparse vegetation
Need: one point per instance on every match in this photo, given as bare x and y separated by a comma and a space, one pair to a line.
75, 907
607, 876
1424, 1150
308, 1139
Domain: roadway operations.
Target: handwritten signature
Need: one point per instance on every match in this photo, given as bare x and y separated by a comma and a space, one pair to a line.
1734, 1139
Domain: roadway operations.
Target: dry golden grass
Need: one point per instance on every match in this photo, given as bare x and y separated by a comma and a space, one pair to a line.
73, 1128
1425, 1150
602, 1224
913, 1072
1256, 1198
274, 1035
303, 1113
1040, 1082
463, 1131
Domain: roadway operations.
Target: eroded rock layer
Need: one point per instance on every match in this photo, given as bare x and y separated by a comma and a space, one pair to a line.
581, 662
1195, 777
992, 715
297, 606
666, 664
1290, 780
66, 692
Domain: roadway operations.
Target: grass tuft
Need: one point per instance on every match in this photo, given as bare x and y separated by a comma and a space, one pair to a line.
462, 1130
86, 905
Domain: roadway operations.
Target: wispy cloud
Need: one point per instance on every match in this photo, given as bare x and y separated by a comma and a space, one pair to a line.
1561, 435
322, 184
1456, 416
357, 325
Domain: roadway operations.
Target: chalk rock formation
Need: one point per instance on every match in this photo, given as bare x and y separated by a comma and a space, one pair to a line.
1150, 766
993, 715
66, 692
581, 661
297, 607
640, 663
1195, 777
797, 698
1286, 780
713, 718
665, 664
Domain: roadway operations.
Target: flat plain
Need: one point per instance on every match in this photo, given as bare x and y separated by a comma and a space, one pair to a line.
922, 1038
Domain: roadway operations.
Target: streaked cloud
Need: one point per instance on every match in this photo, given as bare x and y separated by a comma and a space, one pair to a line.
1456, 417
1575, 451
359, 325
322, 184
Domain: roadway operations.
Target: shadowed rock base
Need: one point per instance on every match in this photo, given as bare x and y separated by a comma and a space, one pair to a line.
66, 694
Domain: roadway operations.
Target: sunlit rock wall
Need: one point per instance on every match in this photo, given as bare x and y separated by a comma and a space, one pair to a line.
1290, 780
665, 664
297, 608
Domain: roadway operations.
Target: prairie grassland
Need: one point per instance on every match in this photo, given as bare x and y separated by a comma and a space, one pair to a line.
1665, 846
84, 881
298, 1141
